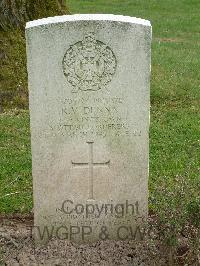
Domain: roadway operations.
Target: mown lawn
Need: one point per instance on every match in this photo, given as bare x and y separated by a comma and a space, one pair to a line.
175, 112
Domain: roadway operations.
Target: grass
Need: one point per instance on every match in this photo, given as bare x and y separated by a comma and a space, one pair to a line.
175, 111
15, 163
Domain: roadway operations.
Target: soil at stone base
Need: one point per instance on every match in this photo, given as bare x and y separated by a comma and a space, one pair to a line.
17, 249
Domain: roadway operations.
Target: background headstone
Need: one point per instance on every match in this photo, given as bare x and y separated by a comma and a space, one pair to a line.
89, 105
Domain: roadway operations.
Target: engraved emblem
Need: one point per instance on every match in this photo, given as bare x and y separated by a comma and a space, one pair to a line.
89, 65
91, 165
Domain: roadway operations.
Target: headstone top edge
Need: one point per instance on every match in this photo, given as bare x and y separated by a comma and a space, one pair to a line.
87, 17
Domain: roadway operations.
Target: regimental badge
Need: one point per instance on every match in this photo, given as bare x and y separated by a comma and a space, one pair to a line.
89, 65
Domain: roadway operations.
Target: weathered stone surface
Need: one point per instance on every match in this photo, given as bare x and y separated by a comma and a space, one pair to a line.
89, 105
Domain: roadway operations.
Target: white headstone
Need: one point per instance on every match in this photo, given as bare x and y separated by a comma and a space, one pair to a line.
89, 81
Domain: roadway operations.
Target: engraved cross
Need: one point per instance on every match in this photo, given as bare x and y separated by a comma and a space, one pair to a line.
91, 164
